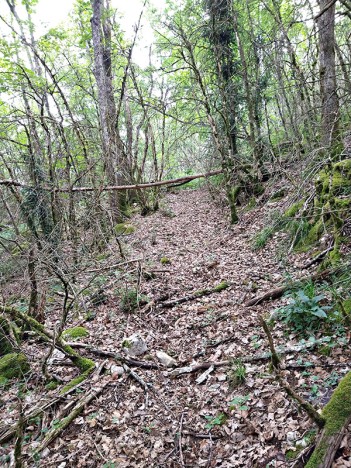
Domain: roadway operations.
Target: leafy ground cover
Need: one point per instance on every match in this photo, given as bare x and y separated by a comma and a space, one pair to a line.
238, 415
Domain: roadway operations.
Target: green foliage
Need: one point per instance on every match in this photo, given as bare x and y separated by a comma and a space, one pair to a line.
124, 229
239, 403
237, 374
165, 261
261, 238
131, 299
304, 310
218, 420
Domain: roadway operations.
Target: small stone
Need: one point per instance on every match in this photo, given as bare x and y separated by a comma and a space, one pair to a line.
45, 453
165, 359
301, 443
292, 436
221, 377
134, 345
116, 370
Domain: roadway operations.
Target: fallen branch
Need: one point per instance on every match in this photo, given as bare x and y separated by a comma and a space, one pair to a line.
305, 405
65, 422
116, 265
252, 358
216, 319
6, 433
14, 183
116, 356
318, 257
86, 366
195, 295
278, 292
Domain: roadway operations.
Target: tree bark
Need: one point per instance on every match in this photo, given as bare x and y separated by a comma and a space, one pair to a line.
328, 89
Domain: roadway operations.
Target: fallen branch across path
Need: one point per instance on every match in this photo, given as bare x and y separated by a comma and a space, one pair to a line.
7, 432
195, 295
278, 292
85, 366
185, 179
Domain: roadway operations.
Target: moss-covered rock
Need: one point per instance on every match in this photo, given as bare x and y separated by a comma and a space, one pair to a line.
75, 333
13, 365
124, 229
332, 205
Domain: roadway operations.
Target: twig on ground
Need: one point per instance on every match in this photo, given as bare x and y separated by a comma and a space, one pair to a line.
54, 432
180, 440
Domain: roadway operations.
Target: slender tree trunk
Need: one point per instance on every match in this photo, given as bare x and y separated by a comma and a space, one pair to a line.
329, 97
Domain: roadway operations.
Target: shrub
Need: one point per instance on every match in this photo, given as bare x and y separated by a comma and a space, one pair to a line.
304, 310
131, 299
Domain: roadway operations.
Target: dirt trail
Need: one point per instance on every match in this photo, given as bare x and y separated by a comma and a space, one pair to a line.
180, 422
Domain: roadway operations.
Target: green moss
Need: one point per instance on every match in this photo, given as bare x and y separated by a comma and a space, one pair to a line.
313, 235
334, 256
347, 305
294, 209
126, 344
13, 365
336, 413
52, 385
221, 286
232, 195
75, 332
165, 261
76, 381
251, 204
124, 229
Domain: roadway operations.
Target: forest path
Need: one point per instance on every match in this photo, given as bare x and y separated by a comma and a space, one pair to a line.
194, 233
180, 422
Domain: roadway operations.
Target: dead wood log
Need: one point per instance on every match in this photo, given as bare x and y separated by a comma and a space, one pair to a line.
195, 295
337, 415
117, 357
14, 183
54, 432
278, 292
318, 257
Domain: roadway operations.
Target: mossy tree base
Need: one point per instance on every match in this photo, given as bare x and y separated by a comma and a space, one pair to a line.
13, 365
337, 415
86, 366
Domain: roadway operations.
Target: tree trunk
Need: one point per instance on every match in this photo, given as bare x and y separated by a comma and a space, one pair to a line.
111, 144
329, 98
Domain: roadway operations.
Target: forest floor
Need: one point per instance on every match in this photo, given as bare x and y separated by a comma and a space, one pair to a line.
179, 421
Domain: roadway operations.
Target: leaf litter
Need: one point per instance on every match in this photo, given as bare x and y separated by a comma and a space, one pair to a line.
197, 419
